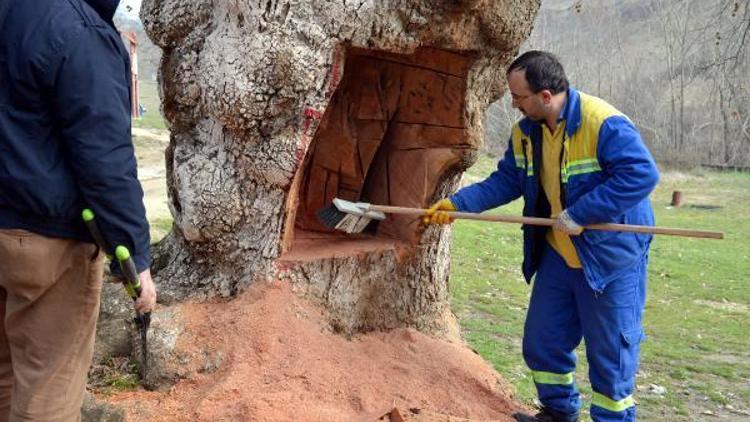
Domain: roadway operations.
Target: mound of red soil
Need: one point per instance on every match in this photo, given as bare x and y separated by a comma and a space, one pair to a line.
282, 363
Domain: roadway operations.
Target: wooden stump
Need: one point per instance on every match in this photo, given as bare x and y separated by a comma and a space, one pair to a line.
676, 198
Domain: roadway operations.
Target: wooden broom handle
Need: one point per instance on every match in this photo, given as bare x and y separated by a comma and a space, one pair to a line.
538, 221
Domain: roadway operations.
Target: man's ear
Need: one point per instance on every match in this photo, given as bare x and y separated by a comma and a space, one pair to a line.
546, 96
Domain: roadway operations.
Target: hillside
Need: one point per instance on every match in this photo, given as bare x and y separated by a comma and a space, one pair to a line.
677, 69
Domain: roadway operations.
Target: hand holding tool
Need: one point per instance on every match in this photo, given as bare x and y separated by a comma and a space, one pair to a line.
133, 287
566, 224
131, 282
435, 214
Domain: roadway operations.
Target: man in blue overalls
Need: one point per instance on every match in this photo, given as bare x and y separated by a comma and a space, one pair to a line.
576, 159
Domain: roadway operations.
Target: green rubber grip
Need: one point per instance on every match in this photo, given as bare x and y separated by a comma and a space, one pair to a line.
88, 220
127, 265
122, 253
87, 215
133, 282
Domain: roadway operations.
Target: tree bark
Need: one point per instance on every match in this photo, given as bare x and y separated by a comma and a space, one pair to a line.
251, 90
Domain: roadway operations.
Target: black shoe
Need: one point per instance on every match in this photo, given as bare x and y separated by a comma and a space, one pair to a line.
545, 415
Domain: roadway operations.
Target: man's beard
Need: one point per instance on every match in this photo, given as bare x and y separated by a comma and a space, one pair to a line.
532, 118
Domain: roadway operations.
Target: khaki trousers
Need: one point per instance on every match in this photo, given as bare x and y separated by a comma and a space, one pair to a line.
49, 303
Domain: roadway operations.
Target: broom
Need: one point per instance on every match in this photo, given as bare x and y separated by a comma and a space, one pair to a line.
353, 217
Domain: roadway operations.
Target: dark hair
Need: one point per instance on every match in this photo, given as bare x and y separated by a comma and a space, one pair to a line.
543, 71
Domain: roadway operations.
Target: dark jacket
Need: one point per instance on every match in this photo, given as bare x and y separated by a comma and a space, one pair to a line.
606, 176
65, 124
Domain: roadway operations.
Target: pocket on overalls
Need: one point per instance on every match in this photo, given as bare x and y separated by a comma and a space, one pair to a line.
629, 350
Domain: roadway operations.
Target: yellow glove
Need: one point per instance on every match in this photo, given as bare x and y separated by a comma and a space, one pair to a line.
436, 214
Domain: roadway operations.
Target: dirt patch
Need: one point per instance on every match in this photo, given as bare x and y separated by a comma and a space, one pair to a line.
701, 407
159, 135
726, 306
283, 363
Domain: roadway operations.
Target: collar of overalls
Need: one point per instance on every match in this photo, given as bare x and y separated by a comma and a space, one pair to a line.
571, 113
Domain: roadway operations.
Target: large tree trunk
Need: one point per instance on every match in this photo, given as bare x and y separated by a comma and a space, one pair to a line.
275, 107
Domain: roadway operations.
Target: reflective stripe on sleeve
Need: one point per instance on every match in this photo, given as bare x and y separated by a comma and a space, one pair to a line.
573, 168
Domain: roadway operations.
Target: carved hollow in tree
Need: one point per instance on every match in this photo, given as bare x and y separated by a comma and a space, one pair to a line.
394, 129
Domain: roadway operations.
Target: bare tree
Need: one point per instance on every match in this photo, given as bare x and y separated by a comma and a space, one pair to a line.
679, 69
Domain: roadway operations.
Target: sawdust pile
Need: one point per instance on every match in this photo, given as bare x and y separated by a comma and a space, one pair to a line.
281, 362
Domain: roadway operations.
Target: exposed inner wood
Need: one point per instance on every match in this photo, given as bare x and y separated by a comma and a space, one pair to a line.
312, 245
395, 125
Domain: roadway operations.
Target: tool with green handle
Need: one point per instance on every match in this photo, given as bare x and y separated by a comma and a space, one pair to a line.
131, 281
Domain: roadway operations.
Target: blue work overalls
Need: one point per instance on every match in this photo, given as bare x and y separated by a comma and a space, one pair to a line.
607, 174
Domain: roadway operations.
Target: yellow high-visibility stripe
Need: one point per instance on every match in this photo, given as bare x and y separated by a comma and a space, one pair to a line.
542, 377
519, 140
582, 162
521, 163
586, 168
605, 402
586, 165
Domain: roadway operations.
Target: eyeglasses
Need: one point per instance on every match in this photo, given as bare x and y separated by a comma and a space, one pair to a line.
516, 98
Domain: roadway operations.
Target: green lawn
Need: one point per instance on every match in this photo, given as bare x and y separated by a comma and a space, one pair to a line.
697, 300
149, 97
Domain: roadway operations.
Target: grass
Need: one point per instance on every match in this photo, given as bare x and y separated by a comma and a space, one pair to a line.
160, 227
114, 374
697, 310
149, 97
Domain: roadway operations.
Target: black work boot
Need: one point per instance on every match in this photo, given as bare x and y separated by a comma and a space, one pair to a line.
544, 415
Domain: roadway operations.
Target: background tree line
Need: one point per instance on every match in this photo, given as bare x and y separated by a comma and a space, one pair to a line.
680, 69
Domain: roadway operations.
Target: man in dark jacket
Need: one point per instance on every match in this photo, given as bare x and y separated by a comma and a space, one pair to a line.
577, 159
65, 145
